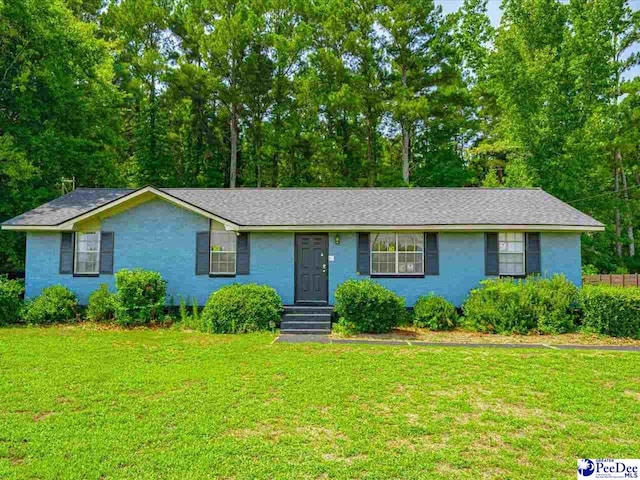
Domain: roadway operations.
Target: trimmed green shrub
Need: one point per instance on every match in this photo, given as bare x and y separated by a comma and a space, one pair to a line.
10, 300
499, 306
55, 304
435, 313
611, 310
505, 305
556, 301
242, 308
140, 298
102, 305
364, 306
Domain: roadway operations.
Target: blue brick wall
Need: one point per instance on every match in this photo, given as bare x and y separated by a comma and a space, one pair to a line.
461, 268
461, 264
159, 236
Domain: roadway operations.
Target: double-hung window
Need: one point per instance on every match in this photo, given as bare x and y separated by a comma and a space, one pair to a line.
511, 253
397, 254
223, 252
87, 253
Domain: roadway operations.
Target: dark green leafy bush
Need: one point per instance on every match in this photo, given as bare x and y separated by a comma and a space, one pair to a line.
140, 298
10, 300
364, 306
611, 310
556, 301
435, 313
55, 304
242, 308
505, 305
102, 305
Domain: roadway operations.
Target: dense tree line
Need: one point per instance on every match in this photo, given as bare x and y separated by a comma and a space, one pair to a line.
281, 93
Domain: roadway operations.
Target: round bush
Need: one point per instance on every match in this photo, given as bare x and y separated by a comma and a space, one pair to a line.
364, 306
10, 300
435, 313
141, 296
611, 310
55, 304
102, 305
242, 308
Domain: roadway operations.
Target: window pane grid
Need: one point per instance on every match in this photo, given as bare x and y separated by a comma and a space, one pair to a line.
223, 252
87, 253
511, 253
397, 253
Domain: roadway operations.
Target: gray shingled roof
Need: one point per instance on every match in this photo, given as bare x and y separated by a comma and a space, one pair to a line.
342, 206
68, 206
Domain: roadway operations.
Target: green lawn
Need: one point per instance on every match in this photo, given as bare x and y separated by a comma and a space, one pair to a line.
99, 404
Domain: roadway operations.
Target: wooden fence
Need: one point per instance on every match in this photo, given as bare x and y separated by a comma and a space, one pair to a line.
628, 280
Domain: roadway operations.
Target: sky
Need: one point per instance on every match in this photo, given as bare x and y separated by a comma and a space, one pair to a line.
493, 8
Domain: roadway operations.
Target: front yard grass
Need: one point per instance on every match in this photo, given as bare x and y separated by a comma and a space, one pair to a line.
78, 402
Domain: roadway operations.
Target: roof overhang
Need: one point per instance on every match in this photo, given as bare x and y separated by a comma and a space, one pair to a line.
351, 228
119, 202
421, 228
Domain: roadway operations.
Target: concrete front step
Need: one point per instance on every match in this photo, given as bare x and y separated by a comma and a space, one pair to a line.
305, 325
305, 332
306, 319
301, 309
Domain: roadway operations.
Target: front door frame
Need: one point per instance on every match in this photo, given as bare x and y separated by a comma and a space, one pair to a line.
295, 269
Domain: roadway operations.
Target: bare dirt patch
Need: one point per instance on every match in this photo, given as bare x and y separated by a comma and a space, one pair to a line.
463, 336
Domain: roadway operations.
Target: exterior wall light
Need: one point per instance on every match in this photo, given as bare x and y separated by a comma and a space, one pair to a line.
337, 239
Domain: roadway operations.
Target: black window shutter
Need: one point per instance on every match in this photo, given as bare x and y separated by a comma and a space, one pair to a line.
106, 252
242, 254
532, 256
432, 261
202, 253
67, 242
491, 260
363, 254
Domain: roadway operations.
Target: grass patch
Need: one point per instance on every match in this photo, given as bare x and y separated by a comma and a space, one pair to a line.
87, 403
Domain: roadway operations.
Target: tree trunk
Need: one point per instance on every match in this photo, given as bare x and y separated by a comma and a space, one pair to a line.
627, 210
618, 228
370, 150
405, 136
257, 147
276, 153
277, 124
233, 164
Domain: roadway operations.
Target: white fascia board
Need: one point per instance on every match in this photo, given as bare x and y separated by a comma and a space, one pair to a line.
421, 228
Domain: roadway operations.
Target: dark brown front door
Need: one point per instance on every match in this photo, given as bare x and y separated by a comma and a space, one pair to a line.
311, 268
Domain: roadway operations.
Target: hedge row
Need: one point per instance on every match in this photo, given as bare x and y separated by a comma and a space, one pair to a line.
611, 310
506, 306
140, 300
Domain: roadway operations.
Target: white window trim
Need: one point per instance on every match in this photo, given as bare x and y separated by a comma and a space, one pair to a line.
76, 251
397, 251
234, 251
523, 253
